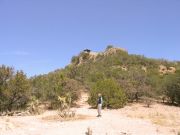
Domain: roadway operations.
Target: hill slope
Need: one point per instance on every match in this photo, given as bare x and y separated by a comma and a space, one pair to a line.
136, 75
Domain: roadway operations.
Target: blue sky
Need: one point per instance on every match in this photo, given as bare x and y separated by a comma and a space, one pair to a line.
39, 36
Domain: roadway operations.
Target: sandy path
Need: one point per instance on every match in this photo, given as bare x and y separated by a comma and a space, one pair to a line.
111, 123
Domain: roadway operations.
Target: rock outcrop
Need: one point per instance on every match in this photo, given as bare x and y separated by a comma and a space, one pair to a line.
171, 69
144, 68
164, 70
113, 50
93, 55
87, 55
90, 55
123, 68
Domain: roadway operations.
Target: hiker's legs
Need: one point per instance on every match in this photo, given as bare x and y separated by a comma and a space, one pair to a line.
99, 109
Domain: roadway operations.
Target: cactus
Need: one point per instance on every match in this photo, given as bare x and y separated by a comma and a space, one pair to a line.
64, 110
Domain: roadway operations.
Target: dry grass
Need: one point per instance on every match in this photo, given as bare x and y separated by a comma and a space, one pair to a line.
162, 115
53, 118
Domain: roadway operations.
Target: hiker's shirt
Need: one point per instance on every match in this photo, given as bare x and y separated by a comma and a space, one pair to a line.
100, 100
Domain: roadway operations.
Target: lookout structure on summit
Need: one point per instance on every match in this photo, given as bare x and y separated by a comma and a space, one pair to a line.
87, 50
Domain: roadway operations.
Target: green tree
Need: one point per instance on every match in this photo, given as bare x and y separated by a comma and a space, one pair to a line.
18, 92
75, 60
109, 47
6, 74
172, 90
113, 95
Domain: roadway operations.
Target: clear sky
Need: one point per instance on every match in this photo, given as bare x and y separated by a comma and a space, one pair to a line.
39, 36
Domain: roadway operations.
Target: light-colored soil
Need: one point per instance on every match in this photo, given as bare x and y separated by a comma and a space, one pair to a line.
132, 120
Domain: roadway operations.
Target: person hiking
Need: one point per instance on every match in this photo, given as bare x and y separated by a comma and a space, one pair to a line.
99, 104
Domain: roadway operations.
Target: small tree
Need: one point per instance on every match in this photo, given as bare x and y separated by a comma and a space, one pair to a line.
113, 95
172, 90
6, 73
109, 47
75, 60
18, 91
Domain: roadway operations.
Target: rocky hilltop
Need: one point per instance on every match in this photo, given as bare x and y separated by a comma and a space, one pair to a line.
88, 55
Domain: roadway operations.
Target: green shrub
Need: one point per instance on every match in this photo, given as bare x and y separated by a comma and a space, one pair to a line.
172, 89
75, 60
113, 95
14, 89
109, 47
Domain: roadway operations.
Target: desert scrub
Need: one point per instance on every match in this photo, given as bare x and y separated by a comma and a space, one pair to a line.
64, 110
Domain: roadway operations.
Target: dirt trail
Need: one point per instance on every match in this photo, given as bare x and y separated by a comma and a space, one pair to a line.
82, 103
111, 123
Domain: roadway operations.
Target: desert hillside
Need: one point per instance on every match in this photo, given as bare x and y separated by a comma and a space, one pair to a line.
141, 96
